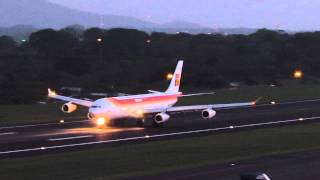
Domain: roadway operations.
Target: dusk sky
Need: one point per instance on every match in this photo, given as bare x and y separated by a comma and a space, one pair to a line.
279, 14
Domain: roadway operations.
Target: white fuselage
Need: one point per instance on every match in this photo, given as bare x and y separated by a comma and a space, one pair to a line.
130, 106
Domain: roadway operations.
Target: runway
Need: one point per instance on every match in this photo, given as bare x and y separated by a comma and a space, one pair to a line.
36, 139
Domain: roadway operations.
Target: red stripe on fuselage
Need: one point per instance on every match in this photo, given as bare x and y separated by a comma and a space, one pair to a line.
143, 100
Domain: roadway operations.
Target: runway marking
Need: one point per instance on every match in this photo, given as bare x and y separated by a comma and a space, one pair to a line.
8, 133
159, 135
68, 138
47, 124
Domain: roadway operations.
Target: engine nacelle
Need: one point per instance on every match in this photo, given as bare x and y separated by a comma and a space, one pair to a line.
161, 118
208, 113
68, 107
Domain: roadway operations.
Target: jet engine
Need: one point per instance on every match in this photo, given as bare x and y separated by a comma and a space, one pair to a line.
161, 118
208, 113
68, 107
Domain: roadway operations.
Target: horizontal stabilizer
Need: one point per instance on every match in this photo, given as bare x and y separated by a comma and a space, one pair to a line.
198, 94
152, 91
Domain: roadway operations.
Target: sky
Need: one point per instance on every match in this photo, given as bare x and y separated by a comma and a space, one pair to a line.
275, 14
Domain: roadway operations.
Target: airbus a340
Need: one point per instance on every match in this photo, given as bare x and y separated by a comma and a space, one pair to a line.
158, 105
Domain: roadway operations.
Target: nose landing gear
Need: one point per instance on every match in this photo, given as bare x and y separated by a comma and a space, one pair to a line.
140, 122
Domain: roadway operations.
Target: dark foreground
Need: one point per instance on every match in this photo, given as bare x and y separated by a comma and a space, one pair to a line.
291, 166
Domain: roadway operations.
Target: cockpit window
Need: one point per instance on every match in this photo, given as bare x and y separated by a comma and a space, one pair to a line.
95, 106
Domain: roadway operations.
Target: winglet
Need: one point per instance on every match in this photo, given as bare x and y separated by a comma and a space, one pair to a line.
256, 101
51, 93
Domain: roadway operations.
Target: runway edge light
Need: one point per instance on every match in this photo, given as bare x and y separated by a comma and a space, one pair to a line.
297, 74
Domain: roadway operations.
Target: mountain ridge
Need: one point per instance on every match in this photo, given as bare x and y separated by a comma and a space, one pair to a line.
45, 14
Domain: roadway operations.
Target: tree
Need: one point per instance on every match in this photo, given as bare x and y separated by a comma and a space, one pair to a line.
53, 43
7, 42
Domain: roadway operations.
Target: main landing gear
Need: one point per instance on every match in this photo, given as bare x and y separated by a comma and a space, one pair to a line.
156, 125
140, 122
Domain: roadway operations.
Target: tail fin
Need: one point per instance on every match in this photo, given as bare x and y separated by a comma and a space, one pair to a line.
175, 81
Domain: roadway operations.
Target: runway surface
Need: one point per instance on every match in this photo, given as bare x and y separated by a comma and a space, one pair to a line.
36, 139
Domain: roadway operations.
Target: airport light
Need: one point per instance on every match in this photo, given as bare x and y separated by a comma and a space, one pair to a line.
297, 74
99, 40
169, 76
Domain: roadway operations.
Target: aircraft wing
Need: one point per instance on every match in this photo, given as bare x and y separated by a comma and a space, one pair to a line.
81, 102
195, 108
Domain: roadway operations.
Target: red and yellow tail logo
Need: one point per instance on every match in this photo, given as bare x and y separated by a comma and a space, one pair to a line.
177, 80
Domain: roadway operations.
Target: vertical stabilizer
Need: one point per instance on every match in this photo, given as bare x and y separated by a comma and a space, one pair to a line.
175, 81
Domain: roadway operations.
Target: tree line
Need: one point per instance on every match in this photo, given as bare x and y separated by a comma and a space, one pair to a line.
128, 60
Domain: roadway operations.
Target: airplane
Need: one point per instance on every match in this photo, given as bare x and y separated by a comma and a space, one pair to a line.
155, 104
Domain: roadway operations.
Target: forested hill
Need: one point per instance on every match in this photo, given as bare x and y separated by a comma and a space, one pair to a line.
128, 60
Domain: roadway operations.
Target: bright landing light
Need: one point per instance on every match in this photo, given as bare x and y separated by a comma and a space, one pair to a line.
101, 121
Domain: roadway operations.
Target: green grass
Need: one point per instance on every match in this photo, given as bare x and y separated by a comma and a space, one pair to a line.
160, 156
34, 113
31, 113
